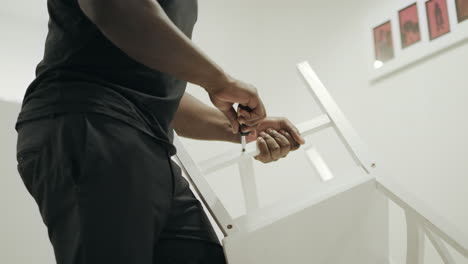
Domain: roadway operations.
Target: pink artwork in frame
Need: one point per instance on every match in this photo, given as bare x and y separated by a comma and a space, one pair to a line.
437, 18
462, 10
383, 42
409, 25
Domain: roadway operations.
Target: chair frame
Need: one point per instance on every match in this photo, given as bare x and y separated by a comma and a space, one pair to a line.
421, 221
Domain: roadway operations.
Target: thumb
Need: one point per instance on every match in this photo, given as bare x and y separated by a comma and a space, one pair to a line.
292, 129
231, 115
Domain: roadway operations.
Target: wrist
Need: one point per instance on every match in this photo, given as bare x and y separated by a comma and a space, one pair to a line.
217, 81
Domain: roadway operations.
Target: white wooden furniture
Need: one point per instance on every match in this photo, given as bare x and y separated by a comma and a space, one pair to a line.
346, 221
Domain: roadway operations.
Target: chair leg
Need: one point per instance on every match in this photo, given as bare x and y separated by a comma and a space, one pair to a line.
415, 240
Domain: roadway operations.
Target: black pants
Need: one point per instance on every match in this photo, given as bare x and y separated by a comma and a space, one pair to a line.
109, 193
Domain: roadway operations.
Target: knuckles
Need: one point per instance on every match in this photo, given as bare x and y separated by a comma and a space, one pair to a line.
275, 148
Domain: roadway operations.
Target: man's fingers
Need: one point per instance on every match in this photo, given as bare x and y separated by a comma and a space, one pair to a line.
282, 141
246, 128
258, 114
251, 123
232, 117
264, 155
258, 110
242, 93
249, 118
273, 146
292, 129
294, 145
245, 113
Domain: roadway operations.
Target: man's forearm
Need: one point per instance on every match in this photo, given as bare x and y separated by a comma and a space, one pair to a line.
196, 120
143, 31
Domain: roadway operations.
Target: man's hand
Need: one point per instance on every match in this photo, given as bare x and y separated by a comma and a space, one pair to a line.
276, 137
234, 91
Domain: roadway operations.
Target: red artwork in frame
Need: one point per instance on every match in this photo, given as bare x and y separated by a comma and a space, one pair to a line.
462, 10
409, 25
437, 18
383, 42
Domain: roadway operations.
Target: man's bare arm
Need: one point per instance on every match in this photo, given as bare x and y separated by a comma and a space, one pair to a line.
196, 120
142, 30
275, 137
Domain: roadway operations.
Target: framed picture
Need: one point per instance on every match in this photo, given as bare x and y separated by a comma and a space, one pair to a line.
446, 27
462, 10
437, 18
409, 25
383, 42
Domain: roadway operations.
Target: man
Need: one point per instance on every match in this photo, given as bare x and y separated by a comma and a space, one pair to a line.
95, 132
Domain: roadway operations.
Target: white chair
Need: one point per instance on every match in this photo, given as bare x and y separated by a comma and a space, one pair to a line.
346, 221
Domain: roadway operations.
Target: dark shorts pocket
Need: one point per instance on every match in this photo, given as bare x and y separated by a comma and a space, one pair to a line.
49, 152
27, 163
33, 136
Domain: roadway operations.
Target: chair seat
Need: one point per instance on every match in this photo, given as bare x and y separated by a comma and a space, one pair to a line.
346, 222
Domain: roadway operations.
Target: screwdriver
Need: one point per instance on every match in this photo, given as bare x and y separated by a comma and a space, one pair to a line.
243, 134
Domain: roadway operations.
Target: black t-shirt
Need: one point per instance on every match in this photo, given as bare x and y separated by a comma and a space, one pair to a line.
82, 71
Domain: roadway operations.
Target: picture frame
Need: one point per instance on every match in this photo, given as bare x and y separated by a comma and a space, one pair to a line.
383, 42
410, 31
437, 18
462, 10
411, 55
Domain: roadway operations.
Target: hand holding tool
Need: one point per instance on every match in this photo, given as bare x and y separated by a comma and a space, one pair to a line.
243, 134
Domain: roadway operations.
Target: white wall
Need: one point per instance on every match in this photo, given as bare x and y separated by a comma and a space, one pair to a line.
24, 28
413, 121
23, 236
